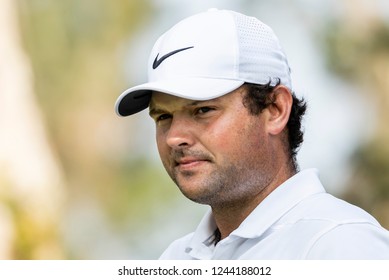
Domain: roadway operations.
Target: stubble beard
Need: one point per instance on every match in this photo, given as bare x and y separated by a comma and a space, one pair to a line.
226, 186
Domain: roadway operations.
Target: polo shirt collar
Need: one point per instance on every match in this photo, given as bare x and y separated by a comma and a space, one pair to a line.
279, 202
269, 211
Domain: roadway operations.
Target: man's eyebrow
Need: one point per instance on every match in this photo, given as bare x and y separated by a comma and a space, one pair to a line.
159, 111
194, 103
156, 111
199, 102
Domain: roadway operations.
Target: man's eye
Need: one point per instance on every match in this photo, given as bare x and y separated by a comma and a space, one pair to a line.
203, 110
163, 117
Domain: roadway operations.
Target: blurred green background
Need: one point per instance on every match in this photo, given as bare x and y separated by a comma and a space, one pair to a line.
78, 182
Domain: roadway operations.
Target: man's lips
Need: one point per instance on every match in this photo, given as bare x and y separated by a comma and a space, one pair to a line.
189, 162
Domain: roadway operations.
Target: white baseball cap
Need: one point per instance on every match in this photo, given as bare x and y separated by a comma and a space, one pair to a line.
208, 55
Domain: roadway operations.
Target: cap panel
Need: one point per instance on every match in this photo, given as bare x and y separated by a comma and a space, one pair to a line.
262, 59
213, 52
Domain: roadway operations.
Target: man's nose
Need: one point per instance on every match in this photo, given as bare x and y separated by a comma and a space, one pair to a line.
180, 133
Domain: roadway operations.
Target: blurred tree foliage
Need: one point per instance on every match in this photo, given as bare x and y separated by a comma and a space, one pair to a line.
76, 48
359, 52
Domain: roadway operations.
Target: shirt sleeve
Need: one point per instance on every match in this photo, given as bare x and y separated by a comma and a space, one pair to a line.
359, 241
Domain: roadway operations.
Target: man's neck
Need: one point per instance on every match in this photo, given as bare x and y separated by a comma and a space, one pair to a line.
228, 217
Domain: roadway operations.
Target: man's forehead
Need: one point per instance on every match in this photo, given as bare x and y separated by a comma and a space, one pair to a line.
161, 100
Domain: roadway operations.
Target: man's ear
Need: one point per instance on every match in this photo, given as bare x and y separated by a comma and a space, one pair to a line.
279, 110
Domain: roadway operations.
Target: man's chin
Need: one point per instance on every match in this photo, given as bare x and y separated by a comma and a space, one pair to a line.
198, 193
191, 190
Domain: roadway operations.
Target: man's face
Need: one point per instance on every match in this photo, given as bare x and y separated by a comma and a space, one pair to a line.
215, 151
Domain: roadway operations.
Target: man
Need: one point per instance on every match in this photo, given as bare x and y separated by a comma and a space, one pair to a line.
228, 127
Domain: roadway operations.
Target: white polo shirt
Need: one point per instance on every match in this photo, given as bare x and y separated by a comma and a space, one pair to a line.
298, 220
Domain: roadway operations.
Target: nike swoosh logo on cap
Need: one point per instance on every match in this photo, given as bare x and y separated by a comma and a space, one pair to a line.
157, 61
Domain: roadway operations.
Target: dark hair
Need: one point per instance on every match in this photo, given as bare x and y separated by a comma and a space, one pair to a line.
258, 97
